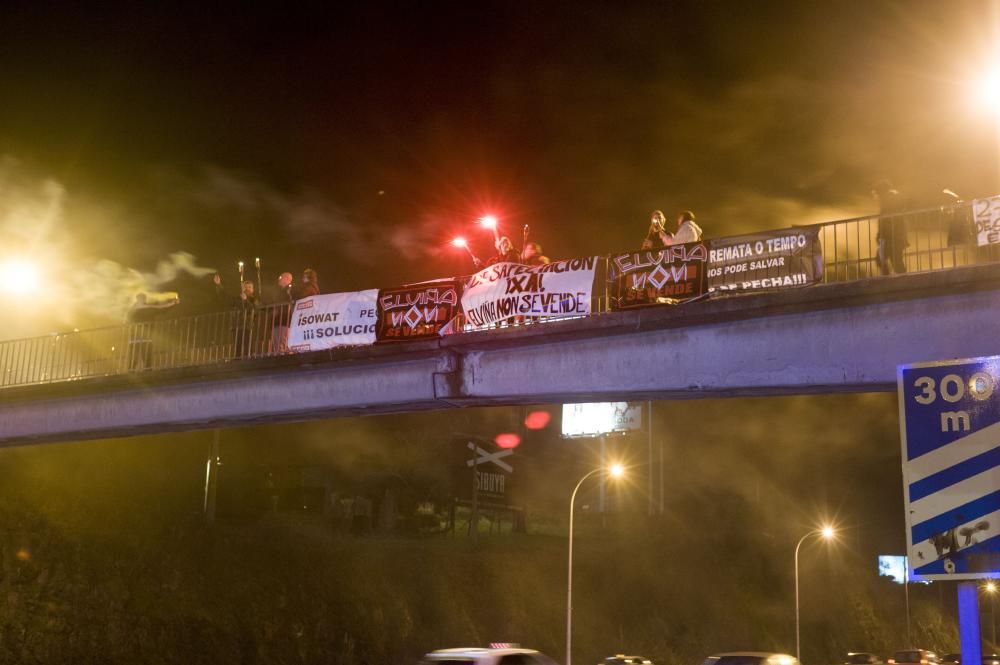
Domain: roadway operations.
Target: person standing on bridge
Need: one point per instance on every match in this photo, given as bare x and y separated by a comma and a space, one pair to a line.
505, 252
891, 238
533, 256
687, 231
309, 285
657, 227
281, 313
139, 318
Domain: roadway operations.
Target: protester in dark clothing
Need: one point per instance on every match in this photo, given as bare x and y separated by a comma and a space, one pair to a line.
140, 317
891, 237
281, 313
657, 226
244, 323
532, 255
505, 252
309, 285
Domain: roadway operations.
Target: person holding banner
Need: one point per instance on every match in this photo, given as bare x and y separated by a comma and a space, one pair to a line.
533, 256
657, 229
687, 231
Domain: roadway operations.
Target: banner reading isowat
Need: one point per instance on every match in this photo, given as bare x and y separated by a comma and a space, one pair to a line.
333, 319
505, 290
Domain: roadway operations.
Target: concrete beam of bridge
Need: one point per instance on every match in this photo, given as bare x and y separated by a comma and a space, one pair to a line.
832, 338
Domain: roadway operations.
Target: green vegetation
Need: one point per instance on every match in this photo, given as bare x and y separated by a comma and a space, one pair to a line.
105, 558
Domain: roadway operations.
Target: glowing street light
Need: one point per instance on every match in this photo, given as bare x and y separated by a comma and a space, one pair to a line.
17, 276
991, 588
826, 533
615, 471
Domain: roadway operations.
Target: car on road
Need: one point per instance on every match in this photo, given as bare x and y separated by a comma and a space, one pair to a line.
914, 657
862, 658
491, 656
751, 658
956, 659
622, 659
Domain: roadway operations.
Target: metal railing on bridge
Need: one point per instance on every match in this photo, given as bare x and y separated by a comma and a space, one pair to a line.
926, 240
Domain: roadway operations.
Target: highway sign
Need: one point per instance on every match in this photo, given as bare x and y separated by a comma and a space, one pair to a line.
949, 419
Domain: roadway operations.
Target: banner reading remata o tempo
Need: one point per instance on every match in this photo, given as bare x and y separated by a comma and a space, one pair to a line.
767, 260
417, 311
505, 290
333, 319
666, 275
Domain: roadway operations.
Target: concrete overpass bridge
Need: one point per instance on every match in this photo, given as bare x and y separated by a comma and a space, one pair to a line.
840, 337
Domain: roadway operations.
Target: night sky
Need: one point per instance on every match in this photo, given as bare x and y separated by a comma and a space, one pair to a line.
359, 138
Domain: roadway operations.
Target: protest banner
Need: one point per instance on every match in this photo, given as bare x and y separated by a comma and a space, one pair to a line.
654, 276
505, 290
333, 319
986, 215
416, 311
766, 260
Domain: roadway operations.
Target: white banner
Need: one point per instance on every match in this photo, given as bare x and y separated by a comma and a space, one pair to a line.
333, 319
505, 290
986, 215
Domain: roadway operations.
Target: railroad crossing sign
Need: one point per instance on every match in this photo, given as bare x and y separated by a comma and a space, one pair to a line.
483, 456
949, 419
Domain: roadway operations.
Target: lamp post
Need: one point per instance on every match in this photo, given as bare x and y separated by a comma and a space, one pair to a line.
615, 471
826, 533
991, 589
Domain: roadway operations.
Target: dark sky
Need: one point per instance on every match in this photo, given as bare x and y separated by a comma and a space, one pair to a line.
359, 138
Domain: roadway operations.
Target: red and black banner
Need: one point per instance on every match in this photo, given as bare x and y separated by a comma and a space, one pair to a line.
658, 276
417, 311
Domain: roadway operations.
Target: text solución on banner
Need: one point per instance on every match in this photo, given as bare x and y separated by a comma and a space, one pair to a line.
333, 319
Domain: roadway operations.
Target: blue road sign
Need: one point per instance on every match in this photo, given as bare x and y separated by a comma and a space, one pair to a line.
949, 418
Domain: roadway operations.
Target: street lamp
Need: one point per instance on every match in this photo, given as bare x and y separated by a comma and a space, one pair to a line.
18, 276
991, 588
826, 533
615, 471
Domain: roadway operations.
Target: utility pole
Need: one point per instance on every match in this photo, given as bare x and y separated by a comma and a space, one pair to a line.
212, 478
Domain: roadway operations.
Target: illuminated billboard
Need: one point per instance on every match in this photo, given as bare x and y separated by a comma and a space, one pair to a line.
892, 566
597, 418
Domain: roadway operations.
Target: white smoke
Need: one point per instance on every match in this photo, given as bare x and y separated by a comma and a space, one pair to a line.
42, 222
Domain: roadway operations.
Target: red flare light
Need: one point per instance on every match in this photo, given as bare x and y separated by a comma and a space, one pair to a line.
537, 419
488, 221
507, 440
459, 242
